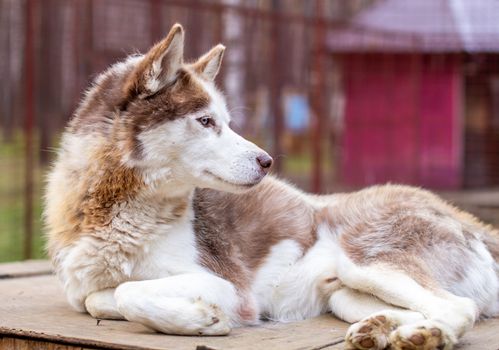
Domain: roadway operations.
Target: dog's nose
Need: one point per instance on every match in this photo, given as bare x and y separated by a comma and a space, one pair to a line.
265, 161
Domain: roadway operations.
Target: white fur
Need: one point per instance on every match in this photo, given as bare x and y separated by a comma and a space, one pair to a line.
171, 245
291, 287
186, 151
456, 313
480, 282
352, 306
210, 71
157, 78
171, 253
102, 304
196, 303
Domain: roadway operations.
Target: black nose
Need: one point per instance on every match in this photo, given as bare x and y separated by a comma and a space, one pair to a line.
265, 161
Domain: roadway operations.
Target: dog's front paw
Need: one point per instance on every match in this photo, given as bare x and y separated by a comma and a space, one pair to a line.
369, 334
425, 335
210, 319
170, 315
101, 305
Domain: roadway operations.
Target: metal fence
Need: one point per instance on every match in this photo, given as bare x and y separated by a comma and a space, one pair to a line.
338, 99
52, 49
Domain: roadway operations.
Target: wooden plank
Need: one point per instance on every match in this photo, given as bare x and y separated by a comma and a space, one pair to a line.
440, 128
401, 120
26, 344
380, 140
25, 268
484, 336
34, 314
34, 308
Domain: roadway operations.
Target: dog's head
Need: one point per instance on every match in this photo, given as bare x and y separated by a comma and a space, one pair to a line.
173, 119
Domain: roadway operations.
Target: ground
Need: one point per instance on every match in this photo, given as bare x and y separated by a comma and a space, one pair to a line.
34, 314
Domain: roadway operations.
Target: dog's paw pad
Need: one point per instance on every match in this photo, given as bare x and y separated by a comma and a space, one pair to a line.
422, 336
369, 334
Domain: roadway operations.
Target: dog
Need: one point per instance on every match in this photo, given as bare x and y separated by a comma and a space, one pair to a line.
158, 213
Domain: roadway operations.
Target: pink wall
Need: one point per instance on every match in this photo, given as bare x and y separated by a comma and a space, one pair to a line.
402, 120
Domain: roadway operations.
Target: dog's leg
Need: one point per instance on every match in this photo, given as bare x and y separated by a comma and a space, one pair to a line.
188, 304
373, 319
102, 305
447, 316
352, 306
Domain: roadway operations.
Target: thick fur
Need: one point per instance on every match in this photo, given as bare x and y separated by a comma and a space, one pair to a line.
159, 213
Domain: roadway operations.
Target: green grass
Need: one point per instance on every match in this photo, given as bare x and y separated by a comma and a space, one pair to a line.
12, 162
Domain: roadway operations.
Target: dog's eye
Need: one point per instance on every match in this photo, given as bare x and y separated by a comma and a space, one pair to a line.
205, 121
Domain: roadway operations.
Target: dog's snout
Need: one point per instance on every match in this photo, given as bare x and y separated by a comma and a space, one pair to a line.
265, 161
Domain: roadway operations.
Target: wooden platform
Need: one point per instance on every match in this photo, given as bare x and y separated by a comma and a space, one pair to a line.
35, 315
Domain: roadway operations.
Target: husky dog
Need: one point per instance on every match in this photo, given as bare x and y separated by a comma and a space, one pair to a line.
159, 213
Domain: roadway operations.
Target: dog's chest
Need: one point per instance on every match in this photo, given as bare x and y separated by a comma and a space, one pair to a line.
172, 252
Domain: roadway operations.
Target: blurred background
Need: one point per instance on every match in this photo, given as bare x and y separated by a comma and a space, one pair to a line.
343, 93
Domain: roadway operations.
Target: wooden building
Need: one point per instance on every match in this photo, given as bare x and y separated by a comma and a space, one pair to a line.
421, 87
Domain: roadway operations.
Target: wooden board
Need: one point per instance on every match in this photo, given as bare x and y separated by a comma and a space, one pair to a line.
401, 121
25, 268
34, 314
35, 308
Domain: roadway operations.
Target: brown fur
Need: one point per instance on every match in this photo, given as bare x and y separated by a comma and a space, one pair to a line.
201, 65
115, 110
107, 184
235, 232
185, 96
115, 184
136, 83
101, 104
107, 181
120, 101
404, 227
101, 111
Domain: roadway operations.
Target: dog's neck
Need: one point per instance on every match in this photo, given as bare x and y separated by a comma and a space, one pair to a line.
118, 181
161, 184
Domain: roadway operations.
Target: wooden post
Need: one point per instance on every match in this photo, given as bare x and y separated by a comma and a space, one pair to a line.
276, 86
29, 63
317, 97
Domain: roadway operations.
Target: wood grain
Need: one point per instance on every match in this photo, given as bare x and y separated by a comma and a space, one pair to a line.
35, 315
34, 308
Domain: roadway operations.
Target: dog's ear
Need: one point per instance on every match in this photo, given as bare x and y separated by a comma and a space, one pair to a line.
208, 65
159, 66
